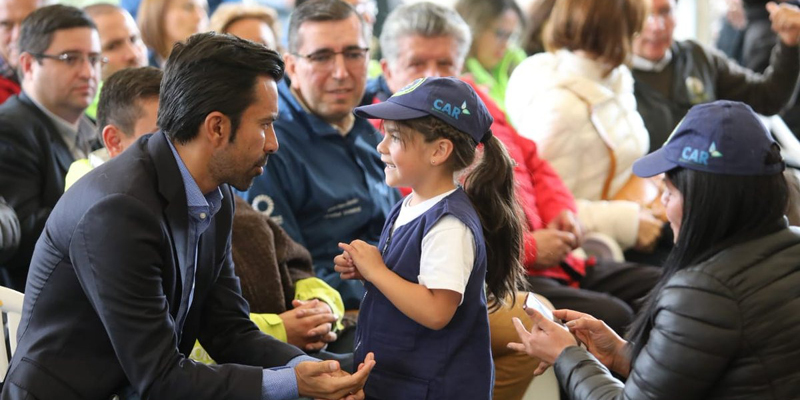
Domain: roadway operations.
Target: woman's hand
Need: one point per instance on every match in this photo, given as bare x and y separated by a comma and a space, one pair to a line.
600, 340
552, 247
546, 340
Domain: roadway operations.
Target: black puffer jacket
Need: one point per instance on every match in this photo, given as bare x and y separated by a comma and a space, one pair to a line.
728, 328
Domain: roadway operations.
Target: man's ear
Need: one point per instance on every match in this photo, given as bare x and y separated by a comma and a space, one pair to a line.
25, 65
217, 129
387, 73
290, 65
112, 140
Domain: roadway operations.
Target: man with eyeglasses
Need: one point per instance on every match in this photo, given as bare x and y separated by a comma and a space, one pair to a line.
44, 129
326, 184
12, 12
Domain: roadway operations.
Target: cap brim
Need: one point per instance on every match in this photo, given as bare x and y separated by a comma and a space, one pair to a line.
653, 164
389, 110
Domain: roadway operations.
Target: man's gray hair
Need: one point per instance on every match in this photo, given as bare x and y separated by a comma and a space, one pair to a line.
426, 20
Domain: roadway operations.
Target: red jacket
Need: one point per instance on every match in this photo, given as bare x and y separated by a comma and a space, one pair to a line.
8, 88
540, 191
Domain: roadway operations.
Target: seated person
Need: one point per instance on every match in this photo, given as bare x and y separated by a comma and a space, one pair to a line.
673, 75
44, 128
120, 43
722, 322
326, 184
253, 22
127, 109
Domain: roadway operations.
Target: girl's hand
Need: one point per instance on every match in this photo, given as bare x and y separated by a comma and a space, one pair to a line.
546, 340
600, 340
343, 264
366, 258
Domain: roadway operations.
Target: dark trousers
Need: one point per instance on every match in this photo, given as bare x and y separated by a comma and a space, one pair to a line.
610, 291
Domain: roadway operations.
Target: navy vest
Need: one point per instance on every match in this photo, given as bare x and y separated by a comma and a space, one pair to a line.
414, 362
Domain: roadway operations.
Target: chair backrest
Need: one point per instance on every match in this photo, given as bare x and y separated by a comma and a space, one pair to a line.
11, 309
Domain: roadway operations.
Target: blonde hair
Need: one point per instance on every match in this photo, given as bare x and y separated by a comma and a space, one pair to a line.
229, 13
604, 28
151, 24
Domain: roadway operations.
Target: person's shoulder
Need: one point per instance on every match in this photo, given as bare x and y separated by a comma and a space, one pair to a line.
537, 68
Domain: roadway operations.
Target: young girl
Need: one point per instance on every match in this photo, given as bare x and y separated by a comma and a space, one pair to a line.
424, 314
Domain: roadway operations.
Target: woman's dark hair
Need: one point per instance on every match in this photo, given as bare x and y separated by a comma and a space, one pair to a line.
490, 187
211, 72
719, 211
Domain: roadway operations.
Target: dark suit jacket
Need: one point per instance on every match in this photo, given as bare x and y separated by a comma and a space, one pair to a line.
33, 162
107, 285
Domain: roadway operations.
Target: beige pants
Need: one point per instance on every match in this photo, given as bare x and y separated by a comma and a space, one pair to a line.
513, 371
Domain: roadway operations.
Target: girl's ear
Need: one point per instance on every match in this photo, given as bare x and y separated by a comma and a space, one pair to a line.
442, 150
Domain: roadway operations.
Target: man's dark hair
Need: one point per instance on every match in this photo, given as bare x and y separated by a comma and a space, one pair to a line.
121, 98
211, 72
37, 29
319, 11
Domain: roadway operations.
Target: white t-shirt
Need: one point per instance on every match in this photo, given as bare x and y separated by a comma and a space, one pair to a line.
448, 250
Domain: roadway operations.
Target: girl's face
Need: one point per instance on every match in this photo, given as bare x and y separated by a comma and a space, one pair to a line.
406, 155
491, 45
184, 18
673, 203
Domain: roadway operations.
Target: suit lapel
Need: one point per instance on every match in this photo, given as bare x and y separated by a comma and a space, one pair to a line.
170, 185
60, 149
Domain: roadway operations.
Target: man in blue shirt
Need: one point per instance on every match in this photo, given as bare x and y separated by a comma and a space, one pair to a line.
326, 185
135, 262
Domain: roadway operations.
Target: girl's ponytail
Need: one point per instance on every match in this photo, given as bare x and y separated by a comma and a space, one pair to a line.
490, 187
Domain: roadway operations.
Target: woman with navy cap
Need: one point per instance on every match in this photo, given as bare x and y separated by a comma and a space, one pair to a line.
724, 321
424, 314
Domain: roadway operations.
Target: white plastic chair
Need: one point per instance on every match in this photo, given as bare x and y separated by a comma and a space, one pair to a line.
11, 310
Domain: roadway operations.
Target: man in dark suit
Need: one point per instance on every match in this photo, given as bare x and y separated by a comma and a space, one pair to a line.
135, 261
43, 130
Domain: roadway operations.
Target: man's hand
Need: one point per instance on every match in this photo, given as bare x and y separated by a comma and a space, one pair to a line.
366, 257
309, 325
326, 380
343, 264
567, 221
649, 231
785, 22
552, 247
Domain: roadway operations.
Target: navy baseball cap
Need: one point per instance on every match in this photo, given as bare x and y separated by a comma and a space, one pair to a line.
723, 137
448, 99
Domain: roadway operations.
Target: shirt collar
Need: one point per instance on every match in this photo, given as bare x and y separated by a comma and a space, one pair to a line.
77, 139
643, 64
195, 200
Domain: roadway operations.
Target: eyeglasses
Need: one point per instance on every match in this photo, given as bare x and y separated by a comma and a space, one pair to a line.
74, 58
324, 59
